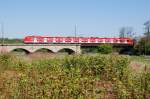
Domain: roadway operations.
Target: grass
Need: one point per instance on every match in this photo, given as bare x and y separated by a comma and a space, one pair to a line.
143, 59
138, 63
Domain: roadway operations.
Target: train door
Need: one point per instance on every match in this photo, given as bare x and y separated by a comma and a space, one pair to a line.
45, 40
34, 40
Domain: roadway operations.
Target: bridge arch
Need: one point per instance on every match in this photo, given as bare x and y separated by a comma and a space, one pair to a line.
66, 50
44, 50
20, 50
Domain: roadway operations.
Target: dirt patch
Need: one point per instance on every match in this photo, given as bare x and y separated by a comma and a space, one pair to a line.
8, 74
41, 55
105, 88
137, 66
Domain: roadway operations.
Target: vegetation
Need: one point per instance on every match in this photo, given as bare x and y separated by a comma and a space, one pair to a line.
105, 49
79, 77
142, 47
10, 41
89, 49
125, 32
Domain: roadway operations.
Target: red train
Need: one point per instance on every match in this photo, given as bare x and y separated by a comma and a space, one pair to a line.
79, 40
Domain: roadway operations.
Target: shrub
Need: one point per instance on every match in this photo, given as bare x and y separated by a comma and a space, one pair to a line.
105, 49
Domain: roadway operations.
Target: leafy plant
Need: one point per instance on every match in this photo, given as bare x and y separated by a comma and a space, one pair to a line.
79, 77
105, 49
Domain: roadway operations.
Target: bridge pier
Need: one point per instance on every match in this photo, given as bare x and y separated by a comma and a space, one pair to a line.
3, 49
31, 48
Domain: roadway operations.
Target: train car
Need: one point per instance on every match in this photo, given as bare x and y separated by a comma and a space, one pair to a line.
79, 40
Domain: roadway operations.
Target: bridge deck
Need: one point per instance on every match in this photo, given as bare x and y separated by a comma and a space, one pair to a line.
40, 44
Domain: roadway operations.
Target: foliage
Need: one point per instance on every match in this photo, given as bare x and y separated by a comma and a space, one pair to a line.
89, 49
79, 77
126, 32
143, 46
11, 41
105, 49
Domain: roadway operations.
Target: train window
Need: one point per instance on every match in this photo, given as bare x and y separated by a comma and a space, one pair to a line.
115, 41
50, 39
68, 40
84, 40
76, 40
107, 41
100, 40
92, 40
40, 39
58, 39
122, 41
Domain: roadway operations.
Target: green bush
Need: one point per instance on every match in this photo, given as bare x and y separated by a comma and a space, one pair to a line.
105, 49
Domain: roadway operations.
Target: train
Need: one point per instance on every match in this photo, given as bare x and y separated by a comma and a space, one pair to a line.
76, 40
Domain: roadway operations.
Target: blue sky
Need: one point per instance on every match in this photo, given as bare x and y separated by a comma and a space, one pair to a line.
102, 18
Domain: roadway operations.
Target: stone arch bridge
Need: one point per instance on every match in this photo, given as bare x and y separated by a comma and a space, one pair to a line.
31, 48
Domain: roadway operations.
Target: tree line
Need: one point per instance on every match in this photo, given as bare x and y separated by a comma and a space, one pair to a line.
141, 44
10, 41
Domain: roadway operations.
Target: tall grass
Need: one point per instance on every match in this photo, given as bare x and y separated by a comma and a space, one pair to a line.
72, 77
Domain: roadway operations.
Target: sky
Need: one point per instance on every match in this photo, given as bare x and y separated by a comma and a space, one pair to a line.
100, 18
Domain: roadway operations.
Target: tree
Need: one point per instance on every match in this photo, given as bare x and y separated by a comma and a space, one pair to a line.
147, 28
105, 49
139, 47
126, 32
143, 46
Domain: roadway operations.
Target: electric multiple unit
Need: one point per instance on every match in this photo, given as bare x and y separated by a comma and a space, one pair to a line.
79, 40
